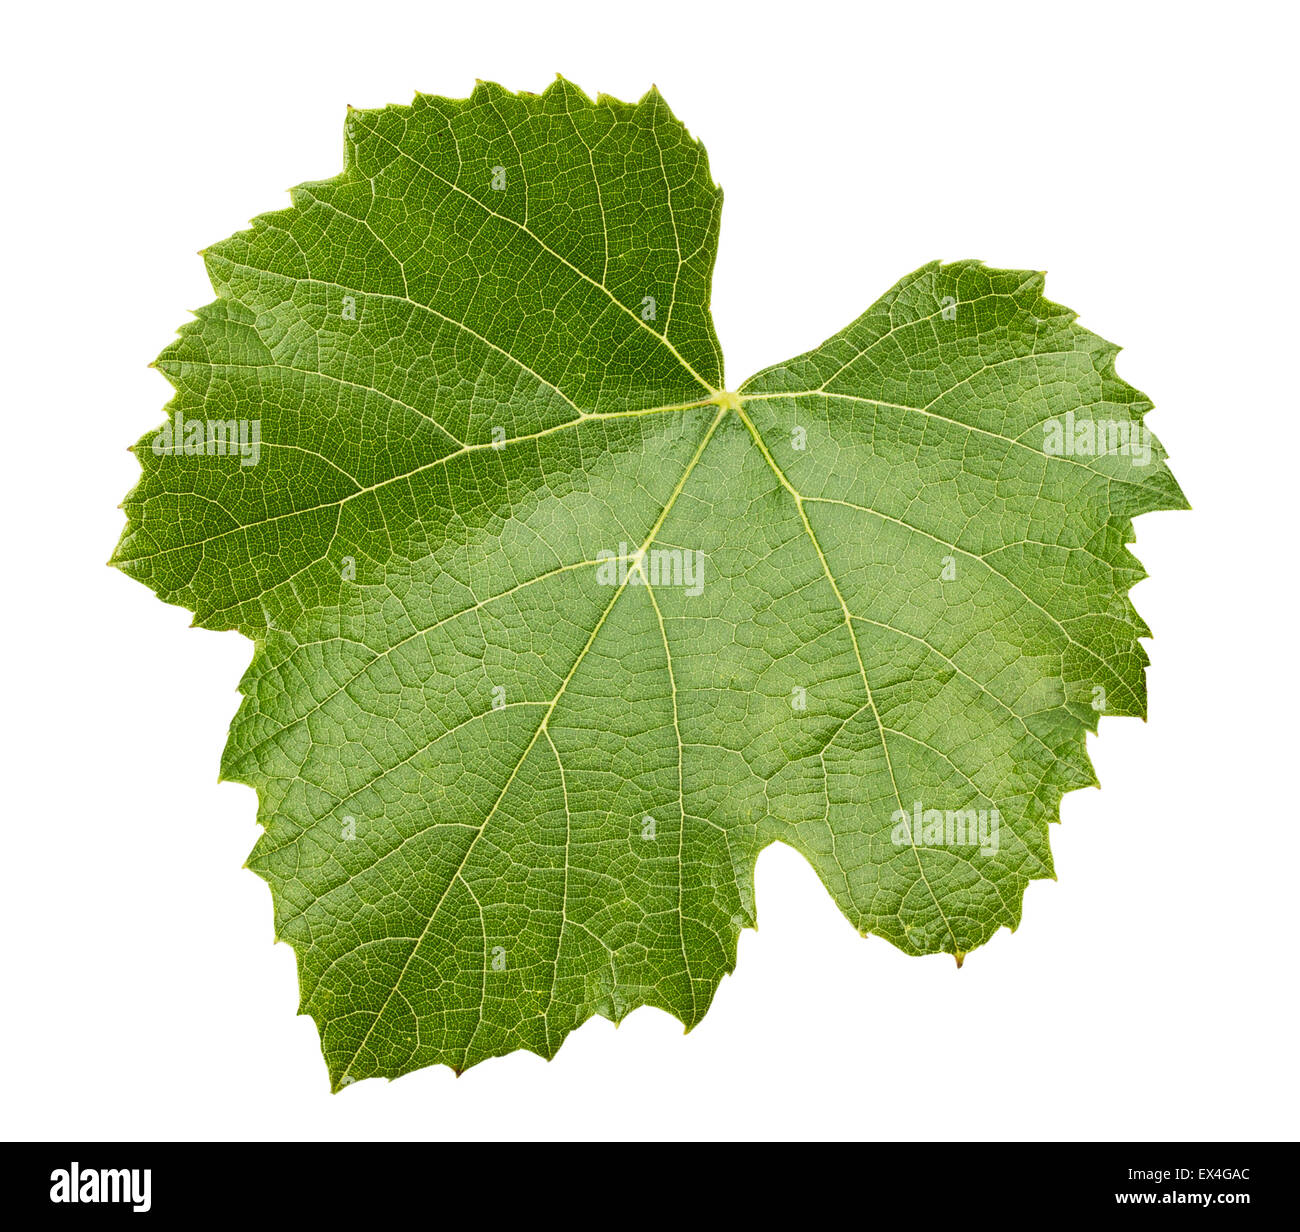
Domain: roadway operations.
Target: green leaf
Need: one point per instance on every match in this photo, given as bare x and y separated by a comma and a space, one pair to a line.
554, 634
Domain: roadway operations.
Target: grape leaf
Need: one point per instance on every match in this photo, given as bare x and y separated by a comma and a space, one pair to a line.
553, 633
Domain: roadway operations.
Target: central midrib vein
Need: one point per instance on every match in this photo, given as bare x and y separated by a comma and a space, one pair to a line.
725, 402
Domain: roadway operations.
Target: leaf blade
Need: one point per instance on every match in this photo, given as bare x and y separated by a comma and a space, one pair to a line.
503, 790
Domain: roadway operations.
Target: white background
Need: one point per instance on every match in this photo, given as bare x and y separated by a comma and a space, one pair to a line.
1142, 154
